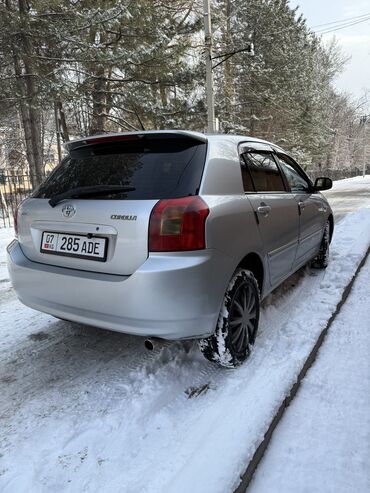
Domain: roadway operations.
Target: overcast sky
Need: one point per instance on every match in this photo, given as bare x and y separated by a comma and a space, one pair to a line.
354, 40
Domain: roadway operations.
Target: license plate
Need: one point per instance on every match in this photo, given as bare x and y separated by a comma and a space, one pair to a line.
79, 246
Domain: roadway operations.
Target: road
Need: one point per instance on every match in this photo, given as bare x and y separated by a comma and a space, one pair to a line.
348, 195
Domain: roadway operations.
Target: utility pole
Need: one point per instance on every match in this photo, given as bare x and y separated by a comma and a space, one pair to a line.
209, 76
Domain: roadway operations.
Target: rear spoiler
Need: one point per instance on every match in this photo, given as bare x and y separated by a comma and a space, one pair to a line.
135, 136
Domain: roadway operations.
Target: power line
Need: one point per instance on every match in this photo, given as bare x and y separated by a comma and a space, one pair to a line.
343, 26
339, 21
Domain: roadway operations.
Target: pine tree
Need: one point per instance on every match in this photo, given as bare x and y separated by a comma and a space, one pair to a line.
118, 65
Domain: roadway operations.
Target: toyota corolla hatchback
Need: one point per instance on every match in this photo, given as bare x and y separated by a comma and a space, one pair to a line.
169, 234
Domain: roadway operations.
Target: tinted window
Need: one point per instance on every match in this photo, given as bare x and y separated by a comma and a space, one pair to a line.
264, 172
296, 181
155, 169
246, 177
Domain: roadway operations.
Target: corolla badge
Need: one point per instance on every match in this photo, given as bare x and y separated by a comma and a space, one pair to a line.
68, 211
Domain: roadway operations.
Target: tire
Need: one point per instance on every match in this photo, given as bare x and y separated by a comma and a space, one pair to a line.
321, 261
237, 324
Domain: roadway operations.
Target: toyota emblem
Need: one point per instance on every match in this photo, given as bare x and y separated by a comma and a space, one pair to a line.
68, 211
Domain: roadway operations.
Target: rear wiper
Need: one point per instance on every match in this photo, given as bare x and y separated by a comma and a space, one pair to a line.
85, 191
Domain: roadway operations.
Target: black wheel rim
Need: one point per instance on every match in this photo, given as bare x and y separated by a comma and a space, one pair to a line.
243, 318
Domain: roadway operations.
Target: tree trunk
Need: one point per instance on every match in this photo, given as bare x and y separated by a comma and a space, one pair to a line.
29, 110
228, 78
99, 96
62, 121
31, 123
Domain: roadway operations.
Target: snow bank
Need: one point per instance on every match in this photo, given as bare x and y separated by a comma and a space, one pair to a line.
348, 183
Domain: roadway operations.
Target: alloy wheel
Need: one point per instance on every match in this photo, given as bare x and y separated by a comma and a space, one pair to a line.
243, 318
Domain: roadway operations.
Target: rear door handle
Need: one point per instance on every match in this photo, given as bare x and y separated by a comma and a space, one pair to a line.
264, 209
301, 205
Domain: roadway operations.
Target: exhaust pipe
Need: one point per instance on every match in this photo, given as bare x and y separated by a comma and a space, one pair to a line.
149, 344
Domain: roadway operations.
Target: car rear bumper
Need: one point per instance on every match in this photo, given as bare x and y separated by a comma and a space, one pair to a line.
171, 296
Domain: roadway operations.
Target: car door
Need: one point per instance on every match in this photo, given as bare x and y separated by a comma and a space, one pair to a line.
310, 205
275, 210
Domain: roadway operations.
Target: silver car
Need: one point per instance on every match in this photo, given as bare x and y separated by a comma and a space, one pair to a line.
169, 234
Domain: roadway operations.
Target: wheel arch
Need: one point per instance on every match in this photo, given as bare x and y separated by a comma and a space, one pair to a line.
252, 261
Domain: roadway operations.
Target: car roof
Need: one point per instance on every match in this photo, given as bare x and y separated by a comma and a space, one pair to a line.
202, 137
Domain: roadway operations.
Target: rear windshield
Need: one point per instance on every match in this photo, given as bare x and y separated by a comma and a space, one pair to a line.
155, 169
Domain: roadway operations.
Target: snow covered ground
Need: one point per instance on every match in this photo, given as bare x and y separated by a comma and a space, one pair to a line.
83, 409
322, 443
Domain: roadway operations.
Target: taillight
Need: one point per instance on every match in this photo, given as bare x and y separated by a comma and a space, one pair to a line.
178, 225
16, 217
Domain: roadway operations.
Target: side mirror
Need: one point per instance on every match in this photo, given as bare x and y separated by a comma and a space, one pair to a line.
323, 183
